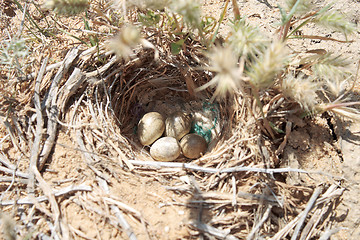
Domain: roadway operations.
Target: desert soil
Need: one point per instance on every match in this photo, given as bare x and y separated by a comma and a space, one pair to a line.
325, 144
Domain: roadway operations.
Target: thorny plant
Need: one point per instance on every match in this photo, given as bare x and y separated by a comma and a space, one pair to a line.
247, 60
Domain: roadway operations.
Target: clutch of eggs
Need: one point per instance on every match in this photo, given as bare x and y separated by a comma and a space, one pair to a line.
176, 127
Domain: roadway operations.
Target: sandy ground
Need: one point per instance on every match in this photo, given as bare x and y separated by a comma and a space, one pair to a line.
332, 148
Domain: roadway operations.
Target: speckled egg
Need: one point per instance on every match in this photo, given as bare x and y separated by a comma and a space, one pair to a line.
178, 125
150, 127
165, 149
193, 146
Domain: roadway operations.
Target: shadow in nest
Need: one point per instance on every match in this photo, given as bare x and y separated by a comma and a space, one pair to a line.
165, 85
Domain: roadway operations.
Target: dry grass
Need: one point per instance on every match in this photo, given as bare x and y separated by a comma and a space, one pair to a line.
235, 190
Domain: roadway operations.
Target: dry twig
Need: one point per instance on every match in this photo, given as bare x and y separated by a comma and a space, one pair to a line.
194, 167
52, 111
260, 223
35, 149
308, 207
331, 193
205, 228
29, 201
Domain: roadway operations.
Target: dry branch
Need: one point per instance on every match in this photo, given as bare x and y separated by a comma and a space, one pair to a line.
6, 162
194, 167
313, 222
15, 172
102, 69
331, 193
48, 68
88, 156
50, 104
35, 148
80, 233
124, 207
11, 179
14, 138
308, 207
123, 223
29, 201
70, 87
205, 228
260, 223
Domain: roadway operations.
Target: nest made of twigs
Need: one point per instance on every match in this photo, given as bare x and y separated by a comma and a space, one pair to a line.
99, 99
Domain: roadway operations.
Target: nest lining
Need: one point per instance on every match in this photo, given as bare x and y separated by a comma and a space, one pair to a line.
150, 85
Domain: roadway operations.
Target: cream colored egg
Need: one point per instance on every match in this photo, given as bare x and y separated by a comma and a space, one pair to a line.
165, 149
193, 145
150, 127
178, 125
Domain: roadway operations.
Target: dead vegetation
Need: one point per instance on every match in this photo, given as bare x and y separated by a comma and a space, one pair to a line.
237, 190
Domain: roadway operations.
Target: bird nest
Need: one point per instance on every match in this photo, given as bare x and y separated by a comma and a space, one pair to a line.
233, 191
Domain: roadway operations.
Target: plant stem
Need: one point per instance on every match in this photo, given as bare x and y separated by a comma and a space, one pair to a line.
220, 21
286, 30
236, 10
259, 104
